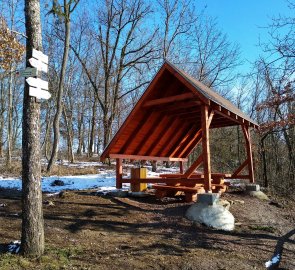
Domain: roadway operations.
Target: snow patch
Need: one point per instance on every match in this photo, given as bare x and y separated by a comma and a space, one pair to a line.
274, 260
106, 178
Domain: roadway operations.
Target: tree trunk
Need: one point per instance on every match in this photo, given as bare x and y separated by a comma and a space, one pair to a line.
56, 132
2, 110
80, 133
47, 133
92, 132
69, 137
32, 240
9, 119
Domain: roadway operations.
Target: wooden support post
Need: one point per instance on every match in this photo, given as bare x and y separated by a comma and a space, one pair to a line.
246, 132
242, 166
193, 167
206, 148
119, 173
181, 167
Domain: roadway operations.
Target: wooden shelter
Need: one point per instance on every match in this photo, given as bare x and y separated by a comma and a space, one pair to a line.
171, 118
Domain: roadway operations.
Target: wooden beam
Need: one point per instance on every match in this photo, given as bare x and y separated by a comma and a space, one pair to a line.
239, 177
119, 173
193, 167
191, 140
172, 181
166, 100
162, 135
227, 114
182, 141
246, 132
185, 112
180, 105
181, 167
192, 146
206, 148
148, 127
152, 132
241, 167
136, 157
188, 83
210, 118
144, 121
172, 136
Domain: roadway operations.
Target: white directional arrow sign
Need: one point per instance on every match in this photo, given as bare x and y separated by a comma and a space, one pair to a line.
38, 64
40, 56
39, 93
36, 82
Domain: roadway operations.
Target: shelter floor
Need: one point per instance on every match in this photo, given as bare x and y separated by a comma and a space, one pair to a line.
146, 233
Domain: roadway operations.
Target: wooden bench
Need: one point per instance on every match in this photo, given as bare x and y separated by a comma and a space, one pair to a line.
189, 192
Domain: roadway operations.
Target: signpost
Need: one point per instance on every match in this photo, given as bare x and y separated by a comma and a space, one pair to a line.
39, 93
28, 72
36, 82
40, 56
40, 63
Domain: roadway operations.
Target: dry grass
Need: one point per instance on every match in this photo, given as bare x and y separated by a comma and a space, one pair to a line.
66, 170
16, 168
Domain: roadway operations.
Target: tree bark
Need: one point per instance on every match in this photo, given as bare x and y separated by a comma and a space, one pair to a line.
92, 132
32, 240
68, 125
2, 110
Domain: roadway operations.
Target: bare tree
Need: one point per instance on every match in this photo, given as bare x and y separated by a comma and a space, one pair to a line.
64, 12
123, 51
178, 17
213, 56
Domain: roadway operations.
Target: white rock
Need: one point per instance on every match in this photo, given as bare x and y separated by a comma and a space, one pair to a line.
215, 216
259, 194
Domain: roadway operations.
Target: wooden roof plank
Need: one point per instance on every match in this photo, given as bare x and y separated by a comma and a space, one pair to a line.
158, 121
183, 142
170, 99
137, 157
162, 134
171, 135
146, 119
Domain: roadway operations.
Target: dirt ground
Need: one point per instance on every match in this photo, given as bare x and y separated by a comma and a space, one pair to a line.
87, 231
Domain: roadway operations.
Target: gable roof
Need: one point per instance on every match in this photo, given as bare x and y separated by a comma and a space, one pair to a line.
165, 123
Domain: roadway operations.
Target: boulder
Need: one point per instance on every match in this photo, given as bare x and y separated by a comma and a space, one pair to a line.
215, 216
259, 195
57, 183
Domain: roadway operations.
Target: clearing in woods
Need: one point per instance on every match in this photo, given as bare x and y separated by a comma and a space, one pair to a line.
87, 231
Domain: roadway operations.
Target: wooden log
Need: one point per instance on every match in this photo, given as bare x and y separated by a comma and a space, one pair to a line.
206, 148
193, 167
165, 100
241, 167
246, 132
179, 188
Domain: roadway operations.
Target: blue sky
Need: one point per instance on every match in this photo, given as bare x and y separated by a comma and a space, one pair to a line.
244, 21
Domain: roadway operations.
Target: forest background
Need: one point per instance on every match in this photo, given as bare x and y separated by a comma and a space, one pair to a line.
102, 55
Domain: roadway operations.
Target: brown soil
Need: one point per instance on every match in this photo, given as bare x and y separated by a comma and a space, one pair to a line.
145, 233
